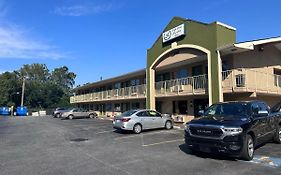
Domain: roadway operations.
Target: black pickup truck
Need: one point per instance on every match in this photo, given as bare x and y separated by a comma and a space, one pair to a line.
234, 128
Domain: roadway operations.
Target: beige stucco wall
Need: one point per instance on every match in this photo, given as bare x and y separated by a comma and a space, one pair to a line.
263, 61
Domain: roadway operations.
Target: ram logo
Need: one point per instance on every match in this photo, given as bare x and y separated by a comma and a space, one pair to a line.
204, 131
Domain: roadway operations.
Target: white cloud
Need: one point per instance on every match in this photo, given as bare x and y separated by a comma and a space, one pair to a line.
15, 43
85, 9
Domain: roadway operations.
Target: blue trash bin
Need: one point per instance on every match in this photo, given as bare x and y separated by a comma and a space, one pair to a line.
4, 111
21, 111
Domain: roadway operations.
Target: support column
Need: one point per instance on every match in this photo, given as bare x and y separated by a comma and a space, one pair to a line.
214, 78
150, 88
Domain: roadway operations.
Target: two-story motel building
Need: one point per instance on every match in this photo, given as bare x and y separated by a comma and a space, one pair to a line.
190, 66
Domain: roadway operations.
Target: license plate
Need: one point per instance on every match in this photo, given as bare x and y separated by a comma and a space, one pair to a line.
205, 149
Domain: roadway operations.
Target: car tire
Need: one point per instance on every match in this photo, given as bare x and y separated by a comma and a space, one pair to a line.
168, 125
91, 116
57, 115
70, 117
137, 128
277, 135
248, 148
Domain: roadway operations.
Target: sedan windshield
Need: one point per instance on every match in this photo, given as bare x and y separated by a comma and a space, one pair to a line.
227, 109
128, 113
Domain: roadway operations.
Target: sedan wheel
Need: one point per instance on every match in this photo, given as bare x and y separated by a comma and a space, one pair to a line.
70, 117
168, 125
91, 116
137, 129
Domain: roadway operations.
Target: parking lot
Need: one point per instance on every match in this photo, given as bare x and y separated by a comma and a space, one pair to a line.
46, 145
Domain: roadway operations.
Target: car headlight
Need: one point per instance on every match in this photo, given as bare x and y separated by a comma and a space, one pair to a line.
233, 130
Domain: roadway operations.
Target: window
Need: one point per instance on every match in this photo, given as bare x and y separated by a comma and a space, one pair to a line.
277, 77
163, 77
135, 105
117, 107
96, 107
225, 66
197, 70
117, 85
227, 109
142, 114
128, 113
135, 82
182, 73
153, 114
263, 107
108, 107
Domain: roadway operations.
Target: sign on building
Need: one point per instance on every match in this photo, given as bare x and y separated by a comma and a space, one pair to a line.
173, 33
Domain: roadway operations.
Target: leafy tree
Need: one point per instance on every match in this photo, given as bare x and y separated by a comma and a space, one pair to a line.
43, 89
63, 78
9, 88
35, 72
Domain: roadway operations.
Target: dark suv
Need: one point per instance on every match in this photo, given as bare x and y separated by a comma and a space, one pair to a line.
234, 128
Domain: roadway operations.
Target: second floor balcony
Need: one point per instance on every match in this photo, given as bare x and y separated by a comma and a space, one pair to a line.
236, 80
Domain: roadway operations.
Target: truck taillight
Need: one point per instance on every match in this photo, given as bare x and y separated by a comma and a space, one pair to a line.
125, 119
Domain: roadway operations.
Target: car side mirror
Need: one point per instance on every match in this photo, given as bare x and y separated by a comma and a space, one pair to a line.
201, 113
262, 113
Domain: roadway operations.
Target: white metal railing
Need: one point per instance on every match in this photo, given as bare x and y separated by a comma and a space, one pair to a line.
188, 85
251, 81
127, 92
236, 80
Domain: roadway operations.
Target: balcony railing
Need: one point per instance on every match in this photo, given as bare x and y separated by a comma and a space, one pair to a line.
189, 85
237, 80
114, 94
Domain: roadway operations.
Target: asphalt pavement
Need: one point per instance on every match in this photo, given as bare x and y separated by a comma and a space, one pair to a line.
46, 145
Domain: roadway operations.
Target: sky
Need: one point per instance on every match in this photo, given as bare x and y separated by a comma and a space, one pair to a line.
106, 38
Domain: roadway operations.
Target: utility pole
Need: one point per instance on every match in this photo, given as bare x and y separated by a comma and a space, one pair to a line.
22, 91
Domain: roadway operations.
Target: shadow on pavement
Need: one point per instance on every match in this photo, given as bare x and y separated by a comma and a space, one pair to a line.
184, 148
119, 131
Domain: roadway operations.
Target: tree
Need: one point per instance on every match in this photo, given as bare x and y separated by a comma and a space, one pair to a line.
35, 72
63, 78
43, 89
9, 88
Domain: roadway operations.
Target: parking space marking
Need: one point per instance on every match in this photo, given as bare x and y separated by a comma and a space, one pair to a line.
159, 143
273, 162
132, 136
101, 132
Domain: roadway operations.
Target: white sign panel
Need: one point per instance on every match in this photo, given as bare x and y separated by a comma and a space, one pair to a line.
173, 33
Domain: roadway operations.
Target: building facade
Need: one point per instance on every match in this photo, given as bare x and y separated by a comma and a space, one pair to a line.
190, 66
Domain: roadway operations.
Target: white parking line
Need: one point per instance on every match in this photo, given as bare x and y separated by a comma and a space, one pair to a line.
137, 135
152, 133
159, 143
101, 132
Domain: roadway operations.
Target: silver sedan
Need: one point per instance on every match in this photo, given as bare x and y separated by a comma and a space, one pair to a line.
138, 120
78, 113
